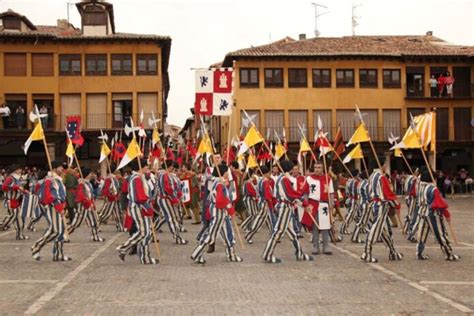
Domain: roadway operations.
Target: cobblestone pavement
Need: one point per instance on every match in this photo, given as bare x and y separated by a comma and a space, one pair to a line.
97, 282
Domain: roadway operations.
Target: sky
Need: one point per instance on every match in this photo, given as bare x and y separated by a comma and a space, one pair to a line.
203, 31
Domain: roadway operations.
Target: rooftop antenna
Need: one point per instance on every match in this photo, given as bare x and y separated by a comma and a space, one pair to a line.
355, 17
68, 4
316, 16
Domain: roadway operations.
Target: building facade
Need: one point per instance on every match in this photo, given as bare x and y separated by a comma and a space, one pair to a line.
292, 82
92, 71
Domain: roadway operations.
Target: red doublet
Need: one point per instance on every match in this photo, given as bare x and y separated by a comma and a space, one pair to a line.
82, 198
388, 193
267, 193
222, 200
440, 204
250, 189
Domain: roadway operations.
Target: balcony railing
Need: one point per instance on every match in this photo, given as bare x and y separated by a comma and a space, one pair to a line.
89, 122
413, 91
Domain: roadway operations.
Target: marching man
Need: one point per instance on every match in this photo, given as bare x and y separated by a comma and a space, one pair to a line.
220, 207
364, 205
111, 193
285, 197
13, 196
412, 219
264, 205
250, 200
351, 202
168, 201
383, 198
86, 206
142, 215
433, 214
52, 199
320, 192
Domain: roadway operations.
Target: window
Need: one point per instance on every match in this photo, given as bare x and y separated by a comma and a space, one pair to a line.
70, 105
462, 121
462, 85
14, 64
391, 78
345, 78
148, 103
371, 122
96, 65
391, 123
15, 101
321, 78
326, 119
274, 120
301, 118
96, 106
297, 78
415, 81
414, 112
12, 23
273, 77
94, 18
42, 65
249, 78
147, 64
70, 65
121, 64
368, 78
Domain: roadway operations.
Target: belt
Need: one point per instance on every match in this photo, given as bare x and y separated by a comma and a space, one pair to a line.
322, 201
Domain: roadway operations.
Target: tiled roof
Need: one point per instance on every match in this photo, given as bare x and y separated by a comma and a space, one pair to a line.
390, 46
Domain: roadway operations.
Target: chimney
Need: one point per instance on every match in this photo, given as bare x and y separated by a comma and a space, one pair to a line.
302, 36
429, 33
63, 24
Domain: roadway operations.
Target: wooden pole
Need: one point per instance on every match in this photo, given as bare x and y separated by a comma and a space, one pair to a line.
365, 168
228, 140
330, 201
406, 162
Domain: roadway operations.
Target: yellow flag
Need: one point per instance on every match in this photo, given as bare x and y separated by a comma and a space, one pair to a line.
37, 134
398, 152
205, 145
411, 141
70, 150
251, 162
155, 137
133, 151
355, 153
253, 137
104, 152
279, 150
360, 135
304, 146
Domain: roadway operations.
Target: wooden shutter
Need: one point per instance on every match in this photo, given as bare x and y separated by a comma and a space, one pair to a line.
346, 119
274, 120
96, 111
391, 123
15, 64
442, 124
371, 122
70, 105
462, 123
297, 117
42, 65
148, 102
326, 119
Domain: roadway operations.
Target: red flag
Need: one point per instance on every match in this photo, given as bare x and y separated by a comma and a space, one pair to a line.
170, 154
73, 128
119, 150
338, 143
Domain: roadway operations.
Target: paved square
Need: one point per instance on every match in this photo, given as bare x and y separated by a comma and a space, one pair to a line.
97, 282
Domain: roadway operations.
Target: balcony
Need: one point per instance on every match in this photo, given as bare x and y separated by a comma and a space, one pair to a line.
463, 91
89, 122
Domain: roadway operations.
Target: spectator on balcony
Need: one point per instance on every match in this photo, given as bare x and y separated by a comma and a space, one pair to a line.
20, 117
449, 81
5, 112
441, 84
433, 86
44, 120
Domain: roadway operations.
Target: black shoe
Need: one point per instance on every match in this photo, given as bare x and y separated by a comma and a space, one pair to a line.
196, 223
212, 248
121, 256
132, 251
327, 252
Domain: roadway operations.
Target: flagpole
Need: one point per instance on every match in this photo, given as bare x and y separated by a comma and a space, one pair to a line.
406, 162
220, 177
228, 139
365, 167
370, 139
329, 195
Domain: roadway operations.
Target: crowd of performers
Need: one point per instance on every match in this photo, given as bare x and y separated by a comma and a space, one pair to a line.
273, 201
